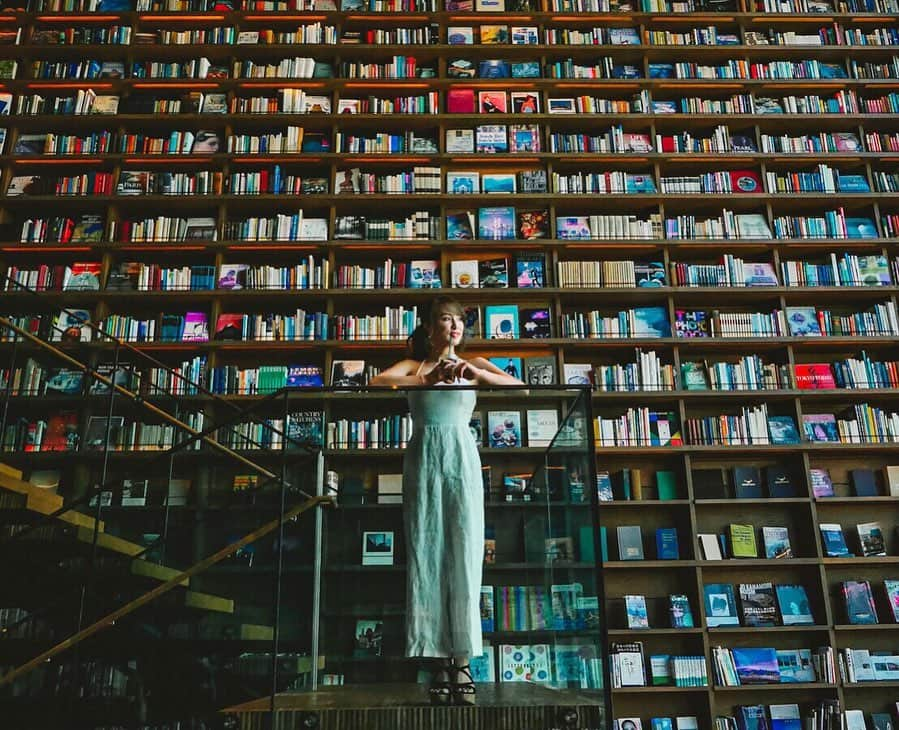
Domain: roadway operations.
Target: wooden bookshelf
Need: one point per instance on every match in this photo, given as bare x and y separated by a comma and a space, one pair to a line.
857, 141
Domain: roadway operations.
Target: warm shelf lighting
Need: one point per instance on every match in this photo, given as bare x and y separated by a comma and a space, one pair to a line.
817, 20
67, 85
183, 18
68, 160
396, 84
591, 18
506, 18
150, 246
43, 248
166, 158
176, 85
255, 246
77, 18
680, 87
275, 85
692, 18
274, 158
393, 19
588, 84
283, 18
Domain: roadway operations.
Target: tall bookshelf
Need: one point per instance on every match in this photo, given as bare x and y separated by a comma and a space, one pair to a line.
697, 158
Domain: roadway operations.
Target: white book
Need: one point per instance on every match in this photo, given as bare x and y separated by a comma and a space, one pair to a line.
855, 720
710, 546
542, 426
464, 274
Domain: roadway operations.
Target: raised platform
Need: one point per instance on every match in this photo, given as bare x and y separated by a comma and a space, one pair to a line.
508, 706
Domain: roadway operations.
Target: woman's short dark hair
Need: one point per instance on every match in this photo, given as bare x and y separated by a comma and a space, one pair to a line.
419, 343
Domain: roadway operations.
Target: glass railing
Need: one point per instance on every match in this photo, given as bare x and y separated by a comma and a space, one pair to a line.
159, 577
540, 579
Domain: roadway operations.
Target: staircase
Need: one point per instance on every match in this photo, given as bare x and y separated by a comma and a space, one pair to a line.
121, 602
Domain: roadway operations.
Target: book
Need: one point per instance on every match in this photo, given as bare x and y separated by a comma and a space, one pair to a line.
535, 323
820, 427
757, 603
814, 376
524, 137
459, 226
834, 541
777, 542
864, 482
463, 183
679, 611
491, 101
493, 273
870, 538
747, 482
504, 429
304, 376
630, 542
368, 639
539, 370
794, 605
348, 373
542, 426
859, 602
742, 541
720, 605
756, 665
377, 547
305, 429
666, 544
891, 587
501, 322
803, 322
460, 141
635, 607
782, 430
464, 274
795, 665
822, 486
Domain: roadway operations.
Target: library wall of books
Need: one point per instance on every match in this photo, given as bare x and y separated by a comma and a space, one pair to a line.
691, 206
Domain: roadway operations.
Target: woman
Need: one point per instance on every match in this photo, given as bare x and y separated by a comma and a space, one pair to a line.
444, 501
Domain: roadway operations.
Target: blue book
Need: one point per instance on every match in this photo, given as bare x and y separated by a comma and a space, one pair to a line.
501, 322
662, 723
666, 544
304, 376
853, 184
752, 717
720, 605
496, 224
834, 541
651, 322
861, 228
782, 430
795, 609
756, 665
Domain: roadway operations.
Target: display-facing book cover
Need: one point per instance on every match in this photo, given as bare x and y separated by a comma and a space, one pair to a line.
501, 322
504, 429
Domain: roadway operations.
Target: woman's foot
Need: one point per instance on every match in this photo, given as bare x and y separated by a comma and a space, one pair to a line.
440, 690
463, 687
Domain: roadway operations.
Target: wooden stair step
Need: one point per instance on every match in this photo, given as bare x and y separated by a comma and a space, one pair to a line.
257, 632
44, 502
10, 471
146, 569
208, 602
110, 542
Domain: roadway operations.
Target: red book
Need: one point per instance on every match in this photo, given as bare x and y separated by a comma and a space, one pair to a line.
746, 181
460, 101
814, 376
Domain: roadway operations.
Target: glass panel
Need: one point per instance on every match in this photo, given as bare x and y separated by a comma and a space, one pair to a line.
541, 580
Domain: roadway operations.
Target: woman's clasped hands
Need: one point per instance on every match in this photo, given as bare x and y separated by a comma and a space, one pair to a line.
447, 371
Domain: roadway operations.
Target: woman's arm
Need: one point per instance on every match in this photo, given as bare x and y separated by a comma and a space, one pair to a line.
401, 373
405, 373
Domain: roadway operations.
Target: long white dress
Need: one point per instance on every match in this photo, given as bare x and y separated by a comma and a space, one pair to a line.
443, 502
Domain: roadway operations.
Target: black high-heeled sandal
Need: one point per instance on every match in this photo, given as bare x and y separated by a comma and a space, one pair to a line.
464, 690
440, 690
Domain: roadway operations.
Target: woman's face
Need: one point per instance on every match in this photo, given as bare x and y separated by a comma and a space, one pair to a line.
448, 327
206, 142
